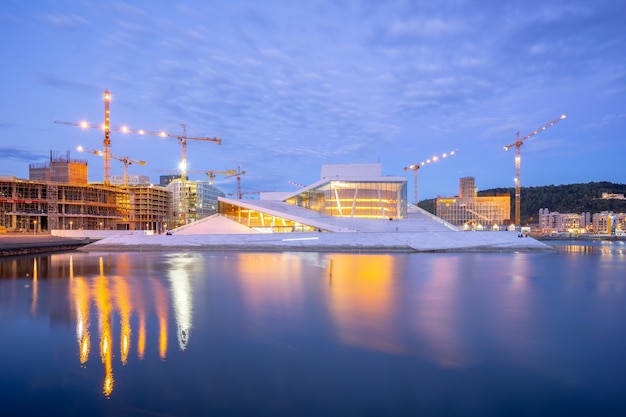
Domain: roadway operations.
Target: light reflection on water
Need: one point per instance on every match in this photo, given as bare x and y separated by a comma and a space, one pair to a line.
315, 334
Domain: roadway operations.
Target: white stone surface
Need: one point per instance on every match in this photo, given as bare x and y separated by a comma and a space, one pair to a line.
420, 232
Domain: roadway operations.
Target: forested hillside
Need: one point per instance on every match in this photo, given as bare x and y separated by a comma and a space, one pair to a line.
571, 198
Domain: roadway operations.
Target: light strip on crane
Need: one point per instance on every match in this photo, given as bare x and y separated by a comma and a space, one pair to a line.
415, 167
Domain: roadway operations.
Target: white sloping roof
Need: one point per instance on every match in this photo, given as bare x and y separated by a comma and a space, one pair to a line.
418, 221
213, 225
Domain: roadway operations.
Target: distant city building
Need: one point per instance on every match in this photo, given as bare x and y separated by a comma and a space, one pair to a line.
192, 200
604, 222
609, 196
132, 180
550, 222
609, 223
470, 211
60, 168
165, 180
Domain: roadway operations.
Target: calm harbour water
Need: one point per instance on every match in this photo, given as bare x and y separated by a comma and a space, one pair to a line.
308, 334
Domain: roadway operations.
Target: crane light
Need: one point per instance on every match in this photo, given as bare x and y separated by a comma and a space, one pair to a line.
79, 148
124, 129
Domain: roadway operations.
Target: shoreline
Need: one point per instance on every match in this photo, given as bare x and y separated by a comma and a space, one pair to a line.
19, 244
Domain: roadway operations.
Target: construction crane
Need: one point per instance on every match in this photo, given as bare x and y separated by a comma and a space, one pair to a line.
124, 159
182, 139
238, 174
518, 144
212, 174
416, 167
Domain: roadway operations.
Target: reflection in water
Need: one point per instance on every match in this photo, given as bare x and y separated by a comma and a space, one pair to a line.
118, 295
180, 287
122, 300
362, 301
437, 313
270, 280
160, 298
103, 304
601, 248
33, 307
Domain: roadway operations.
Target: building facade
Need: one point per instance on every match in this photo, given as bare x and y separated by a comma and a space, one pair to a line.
550, 222
61, 168
149, 208
358, 191
473, 212
192, 200
35, 205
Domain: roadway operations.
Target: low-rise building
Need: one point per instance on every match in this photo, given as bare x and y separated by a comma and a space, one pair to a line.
473, 212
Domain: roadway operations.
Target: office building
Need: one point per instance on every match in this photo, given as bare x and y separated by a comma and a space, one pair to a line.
473, 212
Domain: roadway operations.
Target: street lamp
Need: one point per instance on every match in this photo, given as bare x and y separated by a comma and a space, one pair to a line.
34, 226
71, 225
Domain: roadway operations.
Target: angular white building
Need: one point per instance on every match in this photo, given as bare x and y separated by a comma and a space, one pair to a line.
350, 191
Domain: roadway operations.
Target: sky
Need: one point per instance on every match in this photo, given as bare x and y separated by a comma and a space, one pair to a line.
289, 86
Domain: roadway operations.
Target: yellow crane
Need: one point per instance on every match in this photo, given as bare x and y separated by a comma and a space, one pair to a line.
518, 144
238, 174
416, 167
212, 174
182, 139
124, 159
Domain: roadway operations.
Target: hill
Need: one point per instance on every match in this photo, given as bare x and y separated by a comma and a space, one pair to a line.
569, 198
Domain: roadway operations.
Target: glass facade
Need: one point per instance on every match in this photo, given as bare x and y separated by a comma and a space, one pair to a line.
206, 199
361, 199
262, 222
478, 212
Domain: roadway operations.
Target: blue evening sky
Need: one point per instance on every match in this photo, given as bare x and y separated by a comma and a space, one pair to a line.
291, 85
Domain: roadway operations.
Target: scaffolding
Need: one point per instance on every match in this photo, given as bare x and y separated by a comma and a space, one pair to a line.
33, 205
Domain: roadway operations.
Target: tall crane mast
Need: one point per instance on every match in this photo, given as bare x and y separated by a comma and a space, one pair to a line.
416, 167
518, 144
182, 139
238, 174
124, 159
107, 138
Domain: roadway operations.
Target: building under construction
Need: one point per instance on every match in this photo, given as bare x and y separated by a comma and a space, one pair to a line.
60, 169
472, 212
57, 196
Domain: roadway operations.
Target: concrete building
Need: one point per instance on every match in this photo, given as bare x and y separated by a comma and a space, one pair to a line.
36, 205
62, 169
610, 223
473, 212
550, 222
149, 208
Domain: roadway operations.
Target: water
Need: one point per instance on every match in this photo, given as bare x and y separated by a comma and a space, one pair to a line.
306, 334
